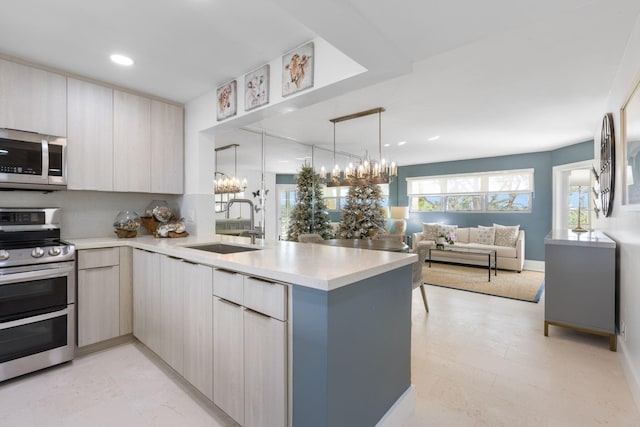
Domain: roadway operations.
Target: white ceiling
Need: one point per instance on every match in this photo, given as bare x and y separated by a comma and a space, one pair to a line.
490, 78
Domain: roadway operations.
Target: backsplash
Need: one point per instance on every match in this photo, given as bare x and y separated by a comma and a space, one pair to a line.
87, 213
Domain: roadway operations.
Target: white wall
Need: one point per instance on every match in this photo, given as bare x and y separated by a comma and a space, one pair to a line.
87, 213
623, 224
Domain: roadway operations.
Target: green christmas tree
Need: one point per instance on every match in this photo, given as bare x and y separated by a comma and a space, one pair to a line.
309, 215
362, 216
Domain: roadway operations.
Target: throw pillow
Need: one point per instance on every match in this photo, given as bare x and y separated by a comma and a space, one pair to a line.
429, 230
443, 229
485, 236
506, 235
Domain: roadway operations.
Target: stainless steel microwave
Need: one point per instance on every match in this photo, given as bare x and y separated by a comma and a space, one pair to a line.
32, 161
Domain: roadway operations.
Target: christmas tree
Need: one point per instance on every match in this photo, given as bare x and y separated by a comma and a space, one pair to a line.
362, 216
309, 215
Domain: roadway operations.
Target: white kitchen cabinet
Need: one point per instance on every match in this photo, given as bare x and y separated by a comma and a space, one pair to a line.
265, 370
228, 357
250, 349
126, 290
197, 281
172, 309
33, 100
146, 298
90, 136
98, 295
167, 136
131, 142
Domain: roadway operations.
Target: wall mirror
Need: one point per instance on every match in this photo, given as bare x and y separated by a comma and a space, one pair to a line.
630, 118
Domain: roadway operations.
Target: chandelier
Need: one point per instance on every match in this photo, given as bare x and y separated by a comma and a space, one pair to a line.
374, 171
229, 184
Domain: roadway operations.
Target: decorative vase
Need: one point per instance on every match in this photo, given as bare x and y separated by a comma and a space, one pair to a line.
126, 224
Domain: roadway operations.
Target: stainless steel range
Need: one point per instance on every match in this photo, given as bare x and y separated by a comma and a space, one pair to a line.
37, 291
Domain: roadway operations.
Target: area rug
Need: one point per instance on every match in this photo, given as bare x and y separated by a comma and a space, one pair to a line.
525, 286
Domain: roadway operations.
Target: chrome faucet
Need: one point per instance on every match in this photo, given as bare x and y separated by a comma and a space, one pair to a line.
252, 227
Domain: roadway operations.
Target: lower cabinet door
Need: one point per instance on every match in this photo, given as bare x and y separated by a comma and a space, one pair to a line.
198, 327
146, 298
98, 304
265, 371
228, 358
172, 312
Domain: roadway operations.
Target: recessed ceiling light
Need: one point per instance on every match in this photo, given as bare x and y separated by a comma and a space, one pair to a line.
433, 138
121, 59
402, 142
387, 145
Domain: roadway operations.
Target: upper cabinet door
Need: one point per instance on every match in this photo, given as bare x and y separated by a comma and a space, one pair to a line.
131, 142
90, 136
166, 148
32, 100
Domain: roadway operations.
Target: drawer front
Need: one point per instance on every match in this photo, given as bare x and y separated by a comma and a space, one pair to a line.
228, 285
266, 297
93, 258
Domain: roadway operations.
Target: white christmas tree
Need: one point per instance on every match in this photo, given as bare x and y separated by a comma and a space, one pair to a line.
362, 216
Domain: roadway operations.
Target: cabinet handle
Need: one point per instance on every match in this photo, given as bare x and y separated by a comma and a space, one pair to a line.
226, 271
269, 282
258, 313
175, 257
189, 262
228, 302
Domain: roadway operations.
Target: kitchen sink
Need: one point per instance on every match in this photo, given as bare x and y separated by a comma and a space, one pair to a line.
222, 248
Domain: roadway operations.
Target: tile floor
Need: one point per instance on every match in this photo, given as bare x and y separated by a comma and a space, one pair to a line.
477, 360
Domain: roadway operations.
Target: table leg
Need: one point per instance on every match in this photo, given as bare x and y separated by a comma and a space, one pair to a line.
429, 257
489, 266
495, 265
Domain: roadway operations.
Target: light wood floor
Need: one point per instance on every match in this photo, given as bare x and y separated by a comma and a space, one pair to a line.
477, 360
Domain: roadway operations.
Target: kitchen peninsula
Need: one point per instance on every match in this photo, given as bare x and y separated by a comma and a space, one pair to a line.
343, 315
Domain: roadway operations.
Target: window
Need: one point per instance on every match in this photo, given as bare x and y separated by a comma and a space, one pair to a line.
579, 195
501, 191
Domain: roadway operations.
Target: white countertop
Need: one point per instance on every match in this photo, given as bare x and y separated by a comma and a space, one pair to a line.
305, 264
589, 238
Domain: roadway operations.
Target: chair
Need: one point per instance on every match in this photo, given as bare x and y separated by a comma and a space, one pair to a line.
417, 279
309, 238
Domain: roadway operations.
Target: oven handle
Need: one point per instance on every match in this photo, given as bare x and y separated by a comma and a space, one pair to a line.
46, 273
33, 319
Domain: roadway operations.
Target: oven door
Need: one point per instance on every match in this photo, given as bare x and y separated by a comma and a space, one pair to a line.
37, 318
36, 289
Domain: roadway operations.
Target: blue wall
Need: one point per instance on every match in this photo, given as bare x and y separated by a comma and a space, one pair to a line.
536, 224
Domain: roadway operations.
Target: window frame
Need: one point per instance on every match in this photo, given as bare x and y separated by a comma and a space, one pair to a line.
483, 178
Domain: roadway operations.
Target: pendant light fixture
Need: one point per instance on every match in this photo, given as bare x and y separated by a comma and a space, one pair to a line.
229, 184
376, 171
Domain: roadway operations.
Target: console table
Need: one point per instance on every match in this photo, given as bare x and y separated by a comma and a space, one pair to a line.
580, 277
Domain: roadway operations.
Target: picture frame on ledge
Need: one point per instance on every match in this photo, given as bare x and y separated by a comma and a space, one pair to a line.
297, 69
256, 88
226, 96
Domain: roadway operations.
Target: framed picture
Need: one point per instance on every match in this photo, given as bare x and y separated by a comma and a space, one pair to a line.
226, 96
297, 69
256, 88
630, 131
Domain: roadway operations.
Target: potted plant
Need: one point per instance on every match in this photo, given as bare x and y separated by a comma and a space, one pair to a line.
444, 238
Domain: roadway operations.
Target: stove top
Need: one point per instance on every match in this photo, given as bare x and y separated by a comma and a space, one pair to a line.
32, 236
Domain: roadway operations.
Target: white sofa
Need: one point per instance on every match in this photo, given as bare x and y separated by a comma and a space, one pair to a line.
508, 257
